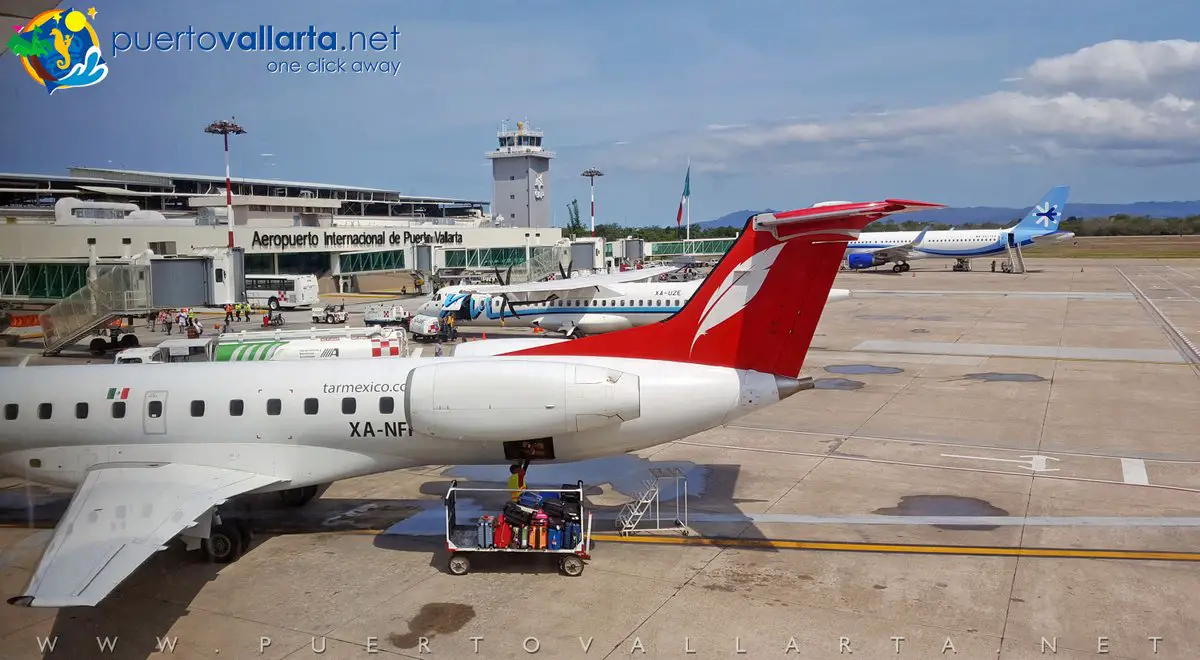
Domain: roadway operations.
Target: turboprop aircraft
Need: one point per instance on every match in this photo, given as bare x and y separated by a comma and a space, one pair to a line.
153, 453
573, 306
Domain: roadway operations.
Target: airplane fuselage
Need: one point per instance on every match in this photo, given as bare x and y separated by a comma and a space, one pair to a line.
966, 244
313, 425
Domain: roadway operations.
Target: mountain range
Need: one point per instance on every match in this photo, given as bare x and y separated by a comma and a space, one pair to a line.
981, 214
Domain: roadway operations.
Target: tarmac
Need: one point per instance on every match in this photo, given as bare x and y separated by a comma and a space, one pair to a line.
1033, 492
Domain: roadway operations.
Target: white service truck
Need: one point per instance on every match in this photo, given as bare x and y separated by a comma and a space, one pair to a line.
383, 314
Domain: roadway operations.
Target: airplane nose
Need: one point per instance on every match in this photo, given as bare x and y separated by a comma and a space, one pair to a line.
789, 386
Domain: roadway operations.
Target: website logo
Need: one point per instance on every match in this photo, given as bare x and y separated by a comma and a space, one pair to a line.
60, 49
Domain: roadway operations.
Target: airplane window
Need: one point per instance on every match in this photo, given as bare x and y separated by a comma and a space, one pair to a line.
155, 409
310, 406
236, 407
349, 404
10, 411
118, 409
658, 303
641, 303
81, 410
274, 406
197, 409
45, 410
386, 405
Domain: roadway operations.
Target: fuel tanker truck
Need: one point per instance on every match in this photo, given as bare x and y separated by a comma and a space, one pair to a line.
313, 344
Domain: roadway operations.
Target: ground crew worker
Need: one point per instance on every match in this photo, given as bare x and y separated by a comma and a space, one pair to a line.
516, 479
151, 319
450, 328
228, 312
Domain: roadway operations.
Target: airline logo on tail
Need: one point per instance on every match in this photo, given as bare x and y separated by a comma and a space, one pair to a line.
737, 290
1046, 214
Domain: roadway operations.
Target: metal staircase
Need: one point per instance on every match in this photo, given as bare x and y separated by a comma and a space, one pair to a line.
1015, 258
630, 515
116, 291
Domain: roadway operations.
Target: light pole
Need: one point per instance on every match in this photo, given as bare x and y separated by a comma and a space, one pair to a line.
591, 173
224, 128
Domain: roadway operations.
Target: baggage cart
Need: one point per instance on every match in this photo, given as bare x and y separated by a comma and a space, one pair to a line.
463, 538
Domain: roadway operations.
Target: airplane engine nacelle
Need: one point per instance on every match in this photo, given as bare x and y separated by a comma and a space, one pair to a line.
502, 400
594, 324
861, 260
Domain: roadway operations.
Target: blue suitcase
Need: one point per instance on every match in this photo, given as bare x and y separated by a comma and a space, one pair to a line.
490, 532
483, 531
555, 536
530, 499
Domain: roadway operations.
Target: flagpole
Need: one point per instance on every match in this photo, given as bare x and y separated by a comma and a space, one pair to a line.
689, 203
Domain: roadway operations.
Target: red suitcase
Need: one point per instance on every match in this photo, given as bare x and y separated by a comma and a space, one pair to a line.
503, 534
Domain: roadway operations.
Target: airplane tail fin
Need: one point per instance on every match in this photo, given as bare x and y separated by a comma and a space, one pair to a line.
759, 307
1044, 217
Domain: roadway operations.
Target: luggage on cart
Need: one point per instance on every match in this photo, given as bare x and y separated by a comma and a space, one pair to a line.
485, 533
503, 533
530, 500
569, 496
554, 538
525, 536
516, 515
572, 535
562, 509
537, 533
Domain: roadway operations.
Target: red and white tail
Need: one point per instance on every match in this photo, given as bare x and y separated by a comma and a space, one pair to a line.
759, 307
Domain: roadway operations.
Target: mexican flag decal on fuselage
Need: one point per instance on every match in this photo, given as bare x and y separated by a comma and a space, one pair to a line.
121, 393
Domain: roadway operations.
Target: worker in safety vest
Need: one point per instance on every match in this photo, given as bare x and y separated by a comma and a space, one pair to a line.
516, 479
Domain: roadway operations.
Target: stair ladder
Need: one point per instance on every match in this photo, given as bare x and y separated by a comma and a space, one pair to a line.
117, 291
631, 515
1015, 257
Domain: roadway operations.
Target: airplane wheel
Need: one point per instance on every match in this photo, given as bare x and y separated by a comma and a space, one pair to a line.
896, 268
572, 565
904, 267
298, 496
224, 543
459, 564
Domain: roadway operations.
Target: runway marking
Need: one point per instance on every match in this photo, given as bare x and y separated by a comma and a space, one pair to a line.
900, 548
1034, 464
1134, 471
1185, 346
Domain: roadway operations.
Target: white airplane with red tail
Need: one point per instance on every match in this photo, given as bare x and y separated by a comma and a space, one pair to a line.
153, 452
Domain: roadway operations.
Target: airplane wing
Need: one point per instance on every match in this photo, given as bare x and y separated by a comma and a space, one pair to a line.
601, 282
899, 252
118, 518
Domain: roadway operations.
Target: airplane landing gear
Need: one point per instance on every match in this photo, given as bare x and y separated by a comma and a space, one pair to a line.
298, 496
222, 538
901, 267
962, 265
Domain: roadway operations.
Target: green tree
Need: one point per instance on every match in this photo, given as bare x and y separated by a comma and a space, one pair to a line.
574, 224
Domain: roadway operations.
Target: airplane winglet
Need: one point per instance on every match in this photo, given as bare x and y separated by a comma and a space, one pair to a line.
920, 237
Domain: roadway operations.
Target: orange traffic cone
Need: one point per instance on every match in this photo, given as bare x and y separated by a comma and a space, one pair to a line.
485, 335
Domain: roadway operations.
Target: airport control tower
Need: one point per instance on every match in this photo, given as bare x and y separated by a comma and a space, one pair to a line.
521, 177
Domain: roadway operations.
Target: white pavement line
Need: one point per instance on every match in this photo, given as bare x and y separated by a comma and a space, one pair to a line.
1134, 471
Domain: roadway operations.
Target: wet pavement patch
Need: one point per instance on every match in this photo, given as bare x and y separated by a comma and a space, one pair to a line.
844, 384
945, 505
433, 619
994, 377
861, 369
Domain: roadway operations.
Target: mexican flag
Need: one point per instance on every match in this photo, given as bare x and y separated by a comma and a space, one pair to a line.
121, 393
687, 192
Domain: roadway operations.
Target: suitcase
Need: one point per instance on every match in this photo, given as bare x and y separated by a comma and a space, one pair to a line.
530, 499
572, 535
554, 538
481, 533
563, 510
525, 536
570, 496
503, 533
539, 536
490, 530
515, 515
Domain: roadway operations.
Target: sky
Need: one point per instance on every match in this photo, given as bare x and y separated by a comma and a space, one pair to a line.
777, 104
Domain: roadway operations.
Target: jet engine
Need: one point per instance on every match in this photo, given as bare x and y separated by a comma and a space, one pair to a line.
482, 402
861, 260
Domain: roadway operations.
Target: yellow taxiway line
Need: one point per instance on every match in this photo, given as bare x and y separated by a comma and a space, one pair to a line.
904, 548
828, 546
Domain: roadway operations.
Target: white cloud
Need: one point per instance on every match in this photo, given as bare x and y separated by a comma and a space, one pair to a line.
1121, 67
1130, 102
